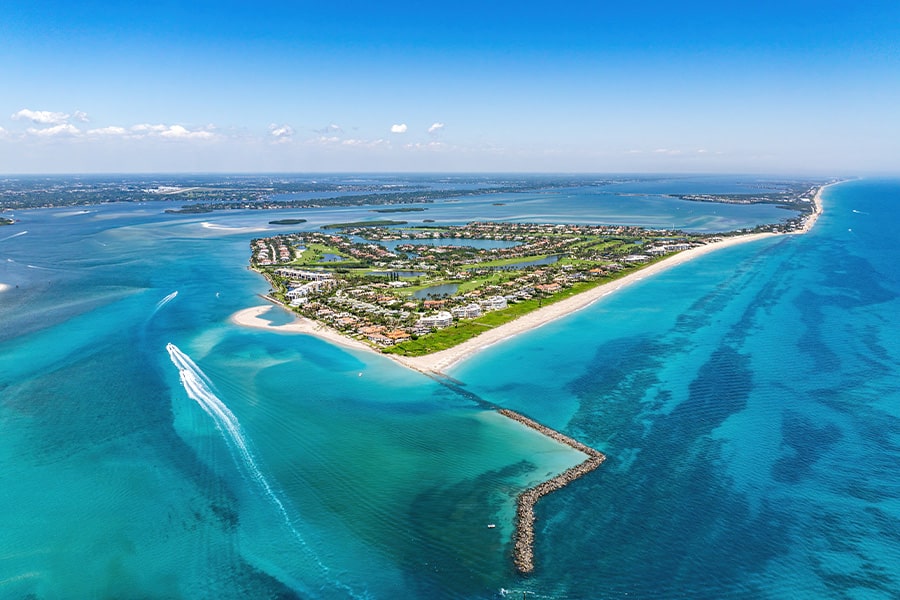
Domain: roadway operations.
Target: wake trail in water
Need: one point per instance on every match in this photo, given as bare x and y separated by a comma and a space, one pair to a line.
164, 301
199, 388
9, 237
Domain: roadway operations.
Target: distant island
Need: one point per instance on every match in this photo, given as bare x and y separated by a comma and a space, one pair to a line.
352, 224
287, 222
199, 194
399, 210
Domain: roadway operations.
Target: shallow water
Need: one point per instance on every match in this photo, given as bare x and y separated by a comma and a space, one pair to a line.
747, 401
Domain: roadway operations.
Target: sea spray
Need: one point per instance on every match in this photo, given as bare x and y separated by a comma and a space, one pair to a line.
200, 389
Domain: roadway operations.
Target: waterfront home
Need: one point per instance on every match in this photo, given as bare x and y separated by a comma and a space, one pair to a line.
494, 303
466, 312
548, 288
397, 336
437, 321
307, 288
302, 275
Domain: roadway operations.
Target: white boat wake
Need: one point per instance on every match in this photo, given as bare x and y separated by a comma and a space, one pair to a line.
164, 301
200, 389
9, 237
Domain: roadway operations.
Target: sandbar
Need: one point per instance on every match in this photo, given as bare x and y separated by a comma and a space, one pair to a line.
253, 317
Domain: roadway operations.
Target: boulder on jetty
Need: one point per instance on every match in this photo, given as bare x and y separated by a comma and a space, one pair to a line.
523, 547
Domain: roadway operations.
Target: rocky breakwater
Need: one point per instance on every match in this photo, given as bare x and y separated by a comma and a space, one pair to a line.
523, 547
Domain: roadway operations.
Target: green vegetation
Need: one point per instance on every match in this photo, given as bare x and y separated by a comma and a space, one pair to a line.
382, 223
510, 262
398, 210
464, 330
287, 222
189, 210
492, 286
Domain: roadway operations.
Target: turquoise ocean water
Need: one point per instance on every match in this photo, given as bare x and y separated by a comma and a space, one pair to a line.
748, 402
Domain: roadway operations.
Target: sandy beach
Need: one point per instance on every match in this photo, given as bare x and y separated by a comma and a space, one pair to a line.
253, 317
439, 362
817, 210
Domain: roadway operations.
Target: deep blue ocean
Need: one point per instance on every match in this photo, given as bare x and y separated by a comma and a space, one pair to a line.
748, 402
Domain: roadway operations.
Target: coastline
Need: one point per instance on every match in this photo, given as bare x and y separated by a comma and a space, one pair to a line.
434, 364
253, 317
440, 361
817, 209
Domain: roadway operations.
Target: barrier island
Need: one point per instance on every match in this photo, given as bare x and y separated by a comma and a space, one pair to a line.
429, 297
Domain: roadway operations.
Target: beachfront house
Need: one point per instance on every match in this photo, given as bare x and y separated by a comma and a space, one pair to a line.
466, 312
302, 275
494, 303
436, 321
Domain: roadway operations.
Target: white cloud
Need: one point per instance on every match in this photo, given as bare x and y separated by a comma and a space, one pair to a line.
330, 129
435, 128
401, 128
428, 146
335, 141
328, 139
44, 117
281, 133
148, 128
63, 129
173, 132
364, 143
182, 133
110, 131
80, 115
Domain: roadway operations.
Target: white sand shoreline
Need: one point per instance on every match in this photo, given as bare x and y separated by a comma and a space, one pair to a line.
439, 362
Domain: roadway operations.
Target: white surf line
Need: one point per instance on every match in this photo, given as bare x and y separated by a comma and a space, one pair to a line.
199, 388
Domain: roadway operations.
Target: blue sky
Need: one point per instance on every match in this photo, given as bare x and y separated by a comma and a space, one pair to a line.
768, 87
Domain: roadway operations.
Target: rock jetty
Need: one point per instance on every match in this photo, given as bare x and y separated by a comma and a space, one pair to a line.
523, 547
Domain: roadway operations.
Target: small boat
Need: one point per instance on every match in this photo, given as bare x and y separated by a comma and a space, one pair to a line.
491, 525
